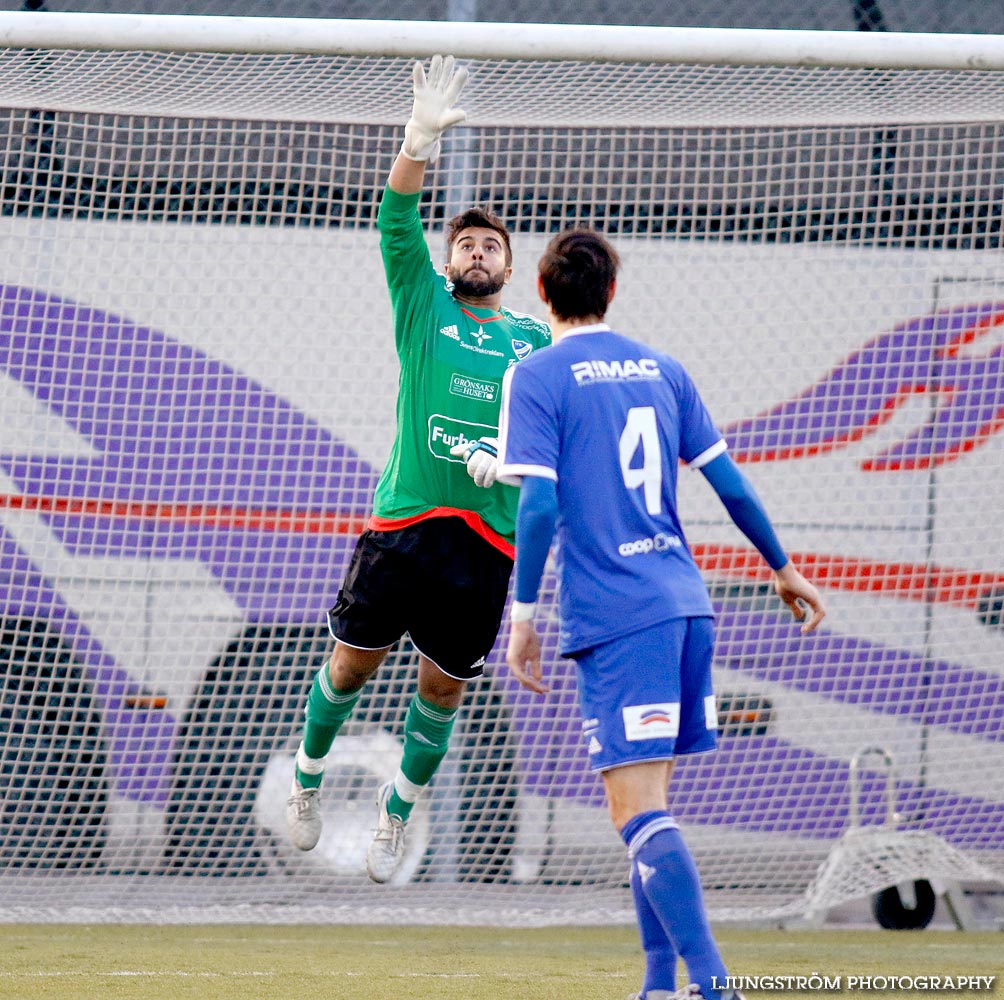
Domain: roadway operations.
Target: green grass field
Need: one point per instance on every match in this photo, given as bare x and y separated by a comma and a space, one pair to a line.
224, 962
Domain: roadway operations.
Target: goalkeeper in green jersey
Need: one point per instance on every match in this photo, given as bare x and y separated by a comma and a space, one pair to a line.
437, 554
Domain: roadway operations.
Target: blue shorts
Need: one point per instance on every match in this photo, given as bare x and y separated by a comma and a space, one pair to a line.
648, 696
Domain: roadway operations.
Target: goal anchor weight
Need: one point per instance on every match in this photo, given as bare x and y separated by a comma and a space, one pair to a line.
892, 817
889, 907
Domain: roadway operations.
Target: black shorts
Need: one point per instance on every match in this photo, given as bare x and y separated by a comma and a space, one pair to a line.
438, 580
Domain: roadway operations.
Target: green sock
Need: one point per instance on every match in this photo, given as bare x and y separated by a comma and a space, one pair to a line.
327, 709
427, 731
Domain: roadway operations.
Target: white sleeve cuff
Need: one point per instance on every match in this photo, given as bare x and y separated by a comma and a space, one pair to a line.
708, 454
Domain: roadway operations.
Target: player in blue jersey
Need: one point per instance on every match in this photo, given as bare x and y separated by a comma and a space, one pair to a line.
593, 429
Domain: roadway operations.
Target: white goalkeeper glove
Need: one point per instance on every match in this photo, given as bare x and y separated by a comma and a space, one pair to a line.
482, 459
433, 112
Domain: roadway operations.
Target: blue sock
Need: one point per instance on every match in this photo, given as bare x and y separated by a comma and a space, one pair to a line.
670, 883
660, 955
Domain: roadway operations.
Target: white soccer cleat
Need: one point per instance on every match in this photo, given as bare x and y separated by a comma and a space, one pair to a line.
689, 992
303, 816
387, 849
693, 992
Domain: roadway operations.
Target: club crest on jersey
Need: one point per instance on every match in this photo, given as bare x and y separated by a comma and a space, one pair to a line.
651, 722
481, 336
521, 348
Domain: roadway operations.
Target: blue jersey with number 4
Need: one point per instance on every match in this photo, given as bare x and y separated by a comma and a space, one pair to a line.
609, 419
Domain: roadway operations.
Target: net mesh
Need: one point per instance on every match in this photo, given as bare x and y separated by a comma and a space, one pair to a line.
198, 396
311, 88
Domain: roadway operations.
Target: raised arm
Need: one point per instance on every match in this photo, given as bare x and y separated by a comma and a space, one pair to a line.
432, 114
746, 510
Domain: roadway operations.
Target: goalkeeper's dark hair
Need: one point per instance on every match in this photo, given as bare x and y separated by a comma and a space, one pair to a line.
578, 270
477, 218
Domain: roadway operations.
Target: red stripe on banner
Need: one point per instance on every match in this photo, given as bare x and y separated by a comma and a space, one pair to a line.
295, 522
911, 581
973, 333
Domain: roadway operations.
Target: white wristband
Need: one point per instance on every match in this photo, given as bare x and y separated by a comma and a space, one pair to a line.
522, 611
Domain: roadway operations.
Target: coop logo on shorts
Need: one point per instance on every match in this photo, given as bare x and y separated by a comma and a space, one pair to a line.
521, 348
659, 542
445, 432
652, 722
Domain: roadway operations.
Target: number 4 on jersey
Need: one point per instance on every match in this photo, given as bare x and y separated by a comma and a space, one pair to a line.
640, 429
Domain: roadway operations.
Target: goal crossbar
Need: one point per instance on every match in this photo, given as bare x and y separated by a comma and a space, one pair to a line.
482, 40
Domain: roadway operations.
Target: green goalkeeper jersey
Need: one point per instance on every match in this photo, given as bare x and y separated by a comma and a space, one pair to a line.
453, 357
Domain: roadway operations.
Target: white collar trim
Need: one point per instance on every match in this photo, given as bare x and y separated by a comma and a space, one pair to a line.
574, 331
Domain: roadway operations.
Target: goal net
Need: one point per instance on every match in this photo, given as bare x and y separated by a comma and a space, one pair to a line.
198, 385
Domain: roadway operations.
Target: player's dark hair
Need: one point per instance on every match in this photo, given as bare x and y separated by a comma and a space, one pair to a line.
577, 270
477, 218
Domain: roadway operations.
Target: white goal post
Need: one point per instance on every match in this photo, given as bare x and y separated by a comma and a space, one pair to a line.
197, 384
482, 40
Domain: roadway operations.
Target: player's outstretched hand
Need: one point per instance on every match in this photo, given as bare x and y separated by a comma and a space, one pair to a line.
481, 457
523, 656
801, 596
433, 112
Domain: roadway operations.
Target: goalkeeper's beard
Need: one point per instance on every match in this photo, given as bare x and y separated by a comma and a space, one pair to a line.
476, 283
